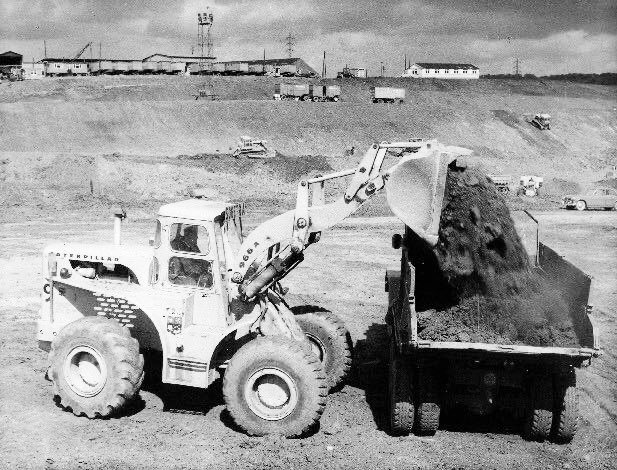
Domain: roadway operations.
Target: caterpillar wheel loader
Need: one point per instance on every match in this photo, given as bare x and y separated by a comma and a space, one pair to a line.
208, 299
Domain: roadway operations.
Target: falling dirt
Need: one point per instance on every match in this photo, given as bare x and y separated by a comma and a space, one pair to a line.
496, 295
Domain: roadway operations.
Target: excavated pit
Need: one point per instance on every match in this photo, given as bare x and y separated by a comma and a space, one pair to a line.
478, 284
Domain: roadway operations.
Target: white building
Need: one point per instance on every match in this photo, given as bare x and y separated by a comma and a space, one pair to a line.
437, 70
33, 70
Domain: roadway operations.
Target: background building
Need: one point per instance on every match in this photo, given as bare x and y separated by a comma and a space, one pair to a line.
438, 70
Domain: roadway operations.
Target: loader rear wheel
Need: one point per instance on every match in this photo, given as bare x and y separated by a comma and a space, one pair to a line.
428, 408
565, 412
402, 410
330, 342
275, 385
539, 412
95, 367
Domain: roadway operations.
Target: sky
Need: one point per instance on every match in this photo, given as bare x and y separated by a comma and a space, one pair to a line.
547, 36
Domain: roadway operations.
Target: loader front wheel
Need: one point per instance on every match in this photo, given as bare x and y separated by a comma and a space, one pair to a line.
330, 342
275, 385
95, 367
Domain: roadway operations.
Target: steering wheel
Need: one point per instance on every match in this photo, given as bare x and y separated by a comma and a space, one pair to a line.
175, 268
205, 281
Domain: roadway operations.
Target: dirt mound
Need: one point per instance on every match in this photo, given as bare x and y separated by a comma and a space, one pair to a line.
498, 297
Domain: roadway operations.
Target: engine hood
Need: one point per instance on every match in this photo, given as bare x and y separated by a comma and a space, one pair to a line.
102, 253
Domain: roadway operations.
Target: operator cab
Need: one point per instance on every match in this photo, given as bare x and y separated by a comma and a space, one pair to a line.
194, 240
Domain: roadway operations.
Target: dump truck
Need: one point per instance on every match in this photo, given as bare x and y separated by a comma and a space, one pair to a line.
535, 383
382, 94
204, 300
292, 91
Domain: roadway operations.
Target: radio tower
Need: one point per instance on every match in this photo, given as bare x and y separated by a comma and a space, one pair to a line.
204, 42
290, 44
517, 71
204, 38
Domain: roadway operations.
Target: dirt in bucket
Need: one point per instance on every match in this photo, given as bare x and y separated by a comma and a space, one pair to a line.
489, 290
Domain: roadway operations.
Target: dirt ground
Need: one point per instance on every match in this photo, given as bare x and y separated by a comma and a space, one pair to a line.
189, 429
73, 150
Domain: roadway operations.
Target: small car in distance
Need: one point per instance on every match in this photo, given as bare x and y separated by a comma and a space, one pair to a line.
597, 198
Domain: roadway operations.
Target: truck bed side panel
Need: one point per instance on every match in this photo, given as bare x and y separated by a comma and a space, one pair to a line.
574, 285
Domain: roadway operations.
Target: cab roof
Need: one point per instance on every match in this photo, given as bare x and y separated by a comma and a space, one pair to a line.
199, 209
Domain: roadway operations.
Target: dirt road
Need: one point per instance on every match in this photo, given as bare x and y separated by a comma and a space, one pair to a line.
174, 428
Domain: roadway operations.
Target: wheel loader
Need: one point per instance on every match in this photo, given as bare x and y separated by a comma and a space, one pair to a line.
208, 299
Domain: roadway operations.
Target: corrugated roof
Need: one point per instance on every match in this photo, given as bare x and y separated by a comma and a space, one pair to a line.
180, 57
285, 61
437, 65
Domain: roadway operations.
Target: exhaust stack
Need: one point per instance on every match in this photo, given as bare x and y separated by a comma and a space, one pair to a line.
118, 217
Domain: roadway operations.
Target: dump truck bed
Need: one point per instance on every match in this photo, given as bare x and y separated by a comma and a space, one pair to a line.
573, 283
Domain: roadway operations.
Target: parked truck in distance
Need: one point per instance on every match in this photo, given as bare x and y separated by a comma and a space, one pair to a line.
306, 92
325, 92
383, 94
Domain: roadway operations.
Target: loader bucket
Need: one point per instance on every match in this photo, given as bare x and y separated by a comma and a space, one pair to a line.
416, 185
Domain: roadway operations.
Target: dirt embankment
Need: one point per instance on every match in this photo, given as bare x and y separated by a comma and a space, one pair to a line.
497, 296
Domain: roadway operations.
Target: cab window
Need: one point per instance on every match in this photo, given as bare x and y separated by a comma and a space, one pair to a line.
189, 238
185, 271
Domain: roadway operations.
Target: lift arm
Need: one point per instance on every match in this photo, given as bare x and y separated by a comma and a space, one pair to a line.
414, 187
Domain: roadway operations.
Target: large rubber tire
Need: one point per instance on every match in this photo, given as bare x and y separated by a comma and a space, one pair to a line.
428, 408
275, 385
95, 367
331, 343
539, 409
581, 205
402, 409
565, 411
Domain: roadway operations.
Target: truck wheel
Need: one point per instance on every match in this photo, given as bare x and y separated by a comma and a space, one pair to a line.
581, 205
565, 411
539, 411
330, 342
96, 368
428, 409
402, 410
275, 385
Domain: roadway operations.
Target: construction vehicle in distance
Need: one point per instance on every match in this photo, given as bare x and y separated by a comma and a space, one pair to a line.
529, 185
533, 382
352, 72
207, 300
252, 148
542, 121
12, 73
382, 94
501, 182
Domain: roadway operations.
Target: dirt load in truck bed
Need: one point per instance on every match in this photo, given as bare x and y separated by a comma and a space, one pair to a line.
493, 293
